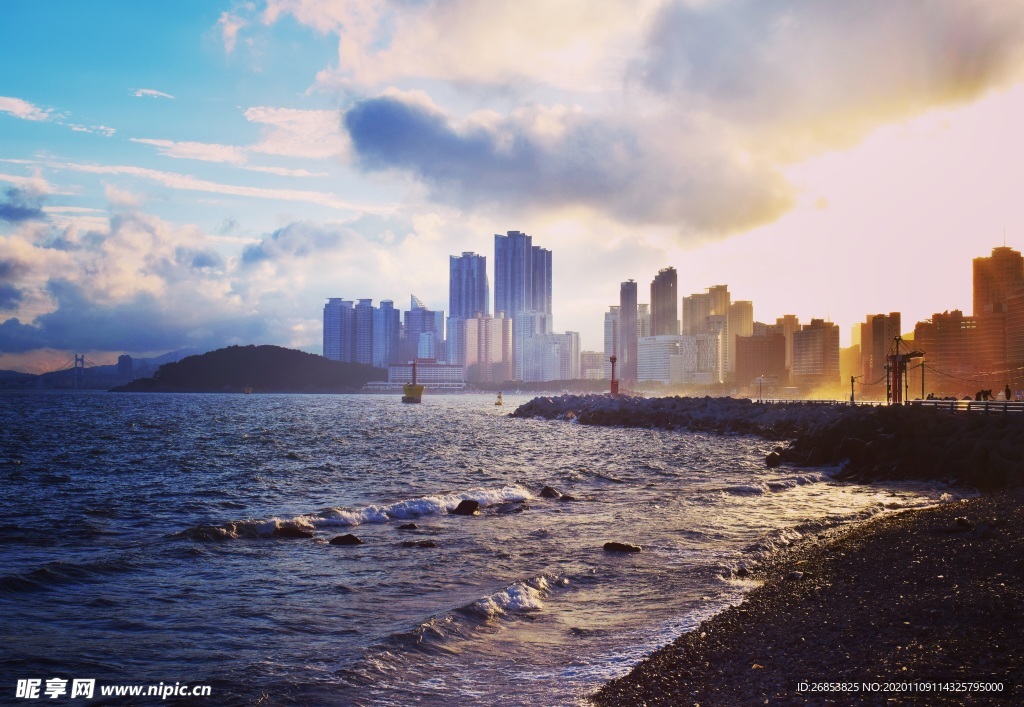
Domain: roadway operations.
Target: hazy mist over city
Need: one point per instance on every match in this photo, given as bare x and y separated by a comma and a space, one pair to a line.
197, 174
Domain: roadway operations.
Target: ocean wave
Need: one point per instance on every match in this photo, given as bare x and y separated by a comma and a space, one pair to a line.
348, 517
54, 574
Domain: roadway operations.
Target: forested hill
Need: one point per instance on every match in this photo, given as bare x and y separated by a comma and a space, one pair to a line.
265, 369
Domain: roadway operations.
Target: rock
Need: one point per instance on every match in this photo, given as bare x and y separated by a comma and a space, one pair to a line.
548, 492
467, 508
347, 539
773, 460
621, 547
407, 526
567, 497
742, 572
290, 531
962, 521
418, 543
795, 575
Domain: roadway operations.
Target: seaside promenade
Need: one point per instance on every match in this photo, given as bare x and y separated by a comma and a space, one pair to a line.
912, 607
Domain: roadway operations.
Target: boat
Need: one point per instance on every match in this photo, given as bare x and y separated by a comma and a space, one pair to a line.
413, 393
498, 401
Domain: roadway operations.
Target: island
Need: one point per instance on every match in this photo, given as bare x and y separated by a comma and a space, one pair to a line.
259, 369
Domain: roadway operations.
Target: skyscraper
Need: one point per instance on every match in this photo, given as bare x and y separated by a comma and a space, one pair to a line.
522, 285
339, 330
664, 310
996, 279
611, 339
386, 327
424, 332
469, 291
522, 275
628, 331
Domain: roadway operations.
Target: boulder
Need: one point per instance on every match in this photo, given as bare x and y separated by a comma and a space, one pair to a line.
773, 460
290, 531
548, 492
347, 539
467, 507
621, 547
407, 526
418, 543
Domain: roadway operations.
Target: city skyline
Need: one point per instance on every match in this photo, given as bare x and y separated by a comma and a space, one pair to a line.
823, 162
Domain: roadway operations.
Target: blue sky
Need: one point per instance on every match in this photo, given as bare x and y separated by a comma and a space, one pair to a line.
208, 173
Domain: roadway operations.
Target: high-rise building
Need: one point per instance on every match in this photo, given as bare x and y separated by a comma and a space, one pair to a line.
997, 278
364, 331
522, 275
643, 320
387, 325
664, 307
611, 340
949, 341
522, 285
761, 356
420, 321
741, 323
469, 290
628, 331
592, 365
488, 349
788, 324
339, 339
816, 355
877, 333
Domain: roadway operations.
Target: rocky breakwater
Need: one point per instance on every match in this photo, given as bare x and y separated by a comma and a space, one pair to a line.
867, 443
914, 442
719, 415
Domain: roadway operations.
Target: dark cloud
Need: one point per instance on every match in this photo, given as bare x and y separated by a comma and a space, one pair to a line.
19, 205
666, 173
296, 240
795, 61
140, 324
10, 296
11, 269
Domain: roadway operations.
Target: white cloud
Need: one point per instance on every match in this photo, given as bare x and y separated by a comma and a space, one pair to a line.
299, 133
206, 152
576, 45
230, 25
150, 93
23, 109
174, 180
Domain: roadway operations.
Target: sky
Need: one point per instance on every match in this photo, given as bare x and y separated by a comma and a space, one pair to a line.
203, 173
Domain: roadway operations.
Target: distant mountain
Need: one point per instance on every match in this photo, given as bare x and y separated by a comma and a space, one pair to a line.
265, 369
16, 374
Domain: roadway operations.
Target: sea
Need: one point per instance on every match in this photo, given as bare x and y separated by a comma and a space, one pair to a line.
138, 546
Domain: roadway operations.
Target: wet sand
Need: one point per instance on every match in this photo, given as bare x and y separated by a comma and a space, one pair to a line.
916, 601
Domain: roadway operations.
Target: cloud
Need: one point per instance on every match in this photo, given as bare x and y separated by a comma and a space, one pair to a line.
174, 180
572, 44
206, 152
10, 296
230, 25
824, 74
299, 240
150, 93
649, 172
18, 205
314, 134
23, 109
